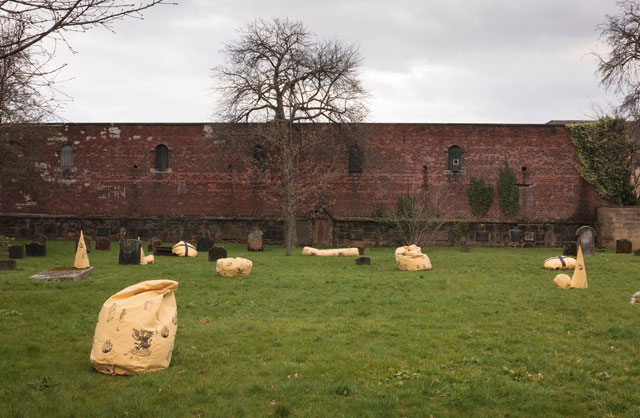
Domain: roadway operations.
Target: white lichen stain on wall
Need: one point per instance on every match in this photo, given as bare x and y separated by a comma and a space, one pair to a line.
112, 191
137, 137
208, 131
67, 182
114, 132
76, 142
27, 201
103, 134
149, 138
57, 138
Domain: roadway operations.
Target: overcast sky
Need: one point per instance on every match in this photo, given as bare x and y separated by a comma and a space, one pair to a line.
511, 61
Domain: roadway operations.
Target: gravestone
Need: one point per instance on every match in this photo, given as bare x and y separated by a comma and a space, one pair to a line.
482, 236
129, 251
587, 240
40, 239
216, 253
103, 244
35, 250
154, 243
204, 244
16, 251
637, 252
515, 235
530, 236
7, 264
254, 241
363, 261
160, 250
570, 248
87, 244
123, 233
361, 250
623, 246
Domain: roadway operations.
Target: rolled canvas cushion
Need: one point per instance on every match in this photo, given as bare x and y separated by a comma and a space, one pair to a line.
136, 329
560, 263
334, 252
184, 249
411, 258
233, 266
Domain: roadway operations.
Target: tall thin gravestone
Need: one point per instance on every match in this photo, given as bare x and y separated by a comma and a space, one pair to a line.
587, 240
254, 241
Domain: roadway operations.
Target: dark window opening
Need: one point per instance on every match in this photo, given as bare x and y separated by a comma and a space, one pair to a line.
259, 156
454, 160
162, 157
66, 156
356, 158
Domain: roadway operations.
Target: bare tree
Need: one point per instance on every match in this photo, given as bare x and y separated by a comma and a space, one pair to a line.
280, 74
36, 20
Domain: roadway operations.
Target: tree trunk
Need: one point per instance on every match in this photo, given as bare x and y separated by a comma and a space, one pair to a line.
290, 232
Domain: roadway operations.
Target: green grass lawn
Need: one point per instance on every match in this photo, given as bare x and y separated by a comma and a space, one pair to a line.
484, 333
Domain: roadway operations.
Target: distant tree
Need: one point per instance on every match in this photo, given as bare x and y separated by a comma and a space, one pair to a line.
35, 20
282, 75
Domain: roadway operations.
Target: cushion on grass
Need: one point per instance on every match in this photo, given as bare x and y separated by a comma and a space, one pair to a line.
184, 249
136, 329
560, 263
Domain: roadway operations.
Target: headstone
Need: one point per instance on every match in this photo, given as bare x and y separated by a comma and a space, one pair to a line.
204, 244
40, 239
154, 242
16, 251
254, 242
515, 235
35, 250
103, 244
87, 244
363, 261
160, 250
623, 246
570, 248
587, 240
7, 264
216, 253
637, 252
123, 233
482, 236
129, 251
361, 250
530, 236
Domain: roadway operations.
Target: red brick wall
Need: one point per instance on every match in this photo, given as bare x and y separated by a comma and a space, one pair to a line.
113, 171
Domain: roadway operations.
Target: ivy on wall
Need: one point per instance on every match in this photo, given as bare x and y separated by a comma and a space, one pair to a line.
508, 192
604, 151
480, 196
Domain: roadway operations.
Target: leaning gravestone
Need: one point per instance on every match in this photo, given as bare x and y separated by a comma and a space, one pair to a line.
16, 251
35, 250
204, 244
623, 246
154, 243
587, 240
7, 264
570, 248
216, 253
129, 251
103, 244
254, 241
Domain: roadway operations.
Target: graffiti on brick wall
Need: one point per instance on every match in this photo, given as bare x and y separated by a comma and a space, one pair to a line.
112, 191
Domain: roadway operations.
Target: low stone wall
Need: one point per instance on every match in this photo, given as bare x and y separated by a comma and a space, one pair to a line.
617, 223
360, 232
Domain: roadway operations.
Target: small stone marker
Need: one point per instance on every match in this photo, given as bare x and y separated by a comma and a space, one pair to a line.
587, 240
623, 246
254, 241
637, 252
40, 239
35, 250
62, 275
87, 243
154, 242
7, 264
103, 244
123, 233
204, 244
16, 251
215, 253
363, 261
129, 251
361, 250
160, 250
570, 248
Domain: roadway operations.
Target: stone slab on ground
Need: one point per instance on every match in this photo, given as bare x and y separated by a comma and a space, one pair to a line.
70, 275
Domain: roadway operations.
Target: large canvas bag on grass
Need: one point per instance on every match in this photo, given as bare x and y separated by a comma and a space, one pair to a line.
334, 252
229, 267
560, 263
410, 258
184, 249
136, 329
